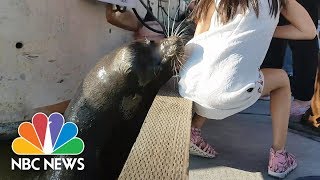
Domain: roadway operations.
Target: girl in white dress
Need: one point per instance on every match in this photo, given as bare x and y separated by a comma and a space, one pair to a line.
222, 76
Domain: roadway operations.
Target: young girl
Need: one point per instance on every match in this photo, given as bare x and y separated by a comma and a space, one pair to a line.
222, 76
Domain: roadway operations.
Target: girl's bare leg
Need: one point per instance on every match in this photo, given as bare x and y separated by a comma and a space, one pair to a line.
276, 83
198, 121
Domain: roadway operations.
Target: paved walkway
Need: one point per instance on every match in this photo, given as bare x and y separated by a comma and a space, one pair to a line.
243, 142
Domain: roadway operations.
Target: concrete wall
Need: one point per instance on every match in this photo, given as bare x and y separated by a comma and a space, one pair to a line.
61, 40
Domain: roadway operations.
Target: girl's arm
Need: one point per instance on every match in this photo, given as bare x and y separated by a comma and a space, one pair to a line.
301, 27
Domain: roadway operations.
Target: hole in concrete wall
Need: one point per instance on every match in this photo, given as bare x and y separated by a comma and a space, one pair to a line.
19, 45
109, 30
60, 81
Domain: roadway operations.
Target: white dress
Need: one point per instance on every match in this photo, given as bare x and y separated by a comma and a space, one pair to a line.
221, 75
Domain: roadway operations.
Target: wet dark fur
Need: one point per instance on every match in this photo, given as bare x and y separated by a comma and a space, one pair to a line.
111, 105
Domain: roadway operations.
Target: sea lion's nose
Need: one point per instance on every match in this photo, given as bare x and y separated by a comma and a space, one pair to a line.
174, 40
171, 46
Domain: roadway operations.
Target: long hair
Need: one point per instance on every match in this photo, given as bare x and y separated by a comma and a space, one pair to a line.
227, 9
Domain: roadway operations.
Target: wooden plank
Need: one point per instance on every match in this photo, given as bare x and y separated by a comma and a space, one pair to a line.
161, 150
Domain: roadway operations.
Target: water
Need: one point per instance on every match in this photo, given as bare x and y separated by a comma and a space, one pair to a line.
5, 165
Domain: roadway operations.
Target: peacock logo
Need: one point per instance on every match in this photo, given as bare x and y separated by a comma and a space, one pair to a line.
48, 136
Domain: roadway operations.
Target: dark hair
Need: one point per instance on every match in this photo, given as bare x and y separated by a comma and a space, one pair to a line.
227, 9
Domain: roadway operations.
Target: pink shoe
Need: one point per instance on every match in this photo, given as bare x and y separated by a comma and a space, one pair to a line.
199, 147
281, 163
297, 109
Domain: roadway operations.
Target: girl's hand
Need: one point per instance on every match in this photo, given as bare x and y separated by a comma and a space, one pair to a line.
301, 27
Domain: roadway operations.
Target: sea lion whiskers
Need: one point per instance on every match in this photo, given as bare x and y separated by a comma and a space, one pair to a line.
175, 68
175, 72
169, 17
174, 20
179, 26
183, 30
165, 30
181, 65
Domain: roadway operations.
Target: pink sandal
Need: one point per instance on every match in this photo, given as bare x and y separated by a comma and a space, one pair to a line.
199, 147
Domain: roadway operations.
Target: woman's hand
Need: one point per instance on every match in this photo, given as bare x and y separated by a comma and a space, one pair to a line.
301, 27
125, 20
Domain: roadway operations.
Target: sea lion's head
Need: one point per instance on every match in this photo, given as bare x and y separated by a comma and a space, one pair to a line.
136, 67
150, 60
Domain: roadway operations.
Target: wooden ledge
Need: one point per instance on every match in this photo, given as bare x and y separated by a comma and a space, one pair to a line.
161, 150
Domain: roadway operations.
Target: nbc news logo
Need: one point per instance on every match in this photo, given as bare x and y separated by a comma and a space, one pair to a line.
47, 136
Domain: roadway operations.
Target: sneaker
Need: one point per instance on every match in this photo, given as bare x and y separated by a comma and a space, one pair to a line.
297, 109
199, 147
281, 163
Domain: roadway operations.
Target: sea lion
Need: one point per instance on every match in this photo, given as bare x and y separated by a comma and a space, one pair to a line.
112, 102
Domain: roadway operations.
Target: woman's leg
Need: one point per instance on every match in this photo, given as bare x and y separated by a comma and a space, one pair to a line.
305, 55
276, 83
198, 146
198, 121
